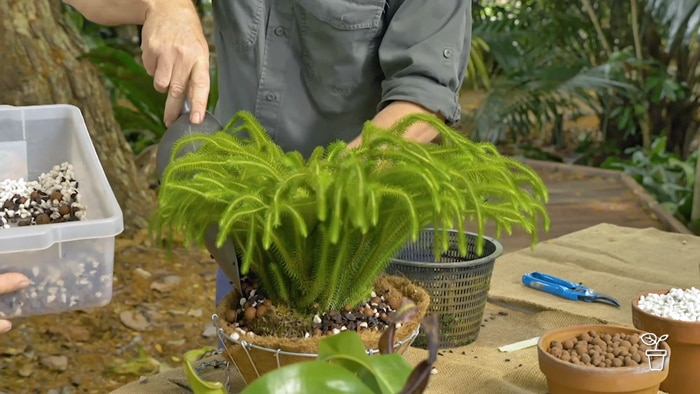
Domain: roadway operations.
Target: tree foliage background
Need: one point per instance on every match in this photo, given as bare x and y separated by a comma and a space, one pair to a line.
633, 64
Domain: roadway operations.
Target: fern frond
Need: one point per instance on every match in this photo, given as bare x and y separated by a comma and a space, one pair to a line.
318, 231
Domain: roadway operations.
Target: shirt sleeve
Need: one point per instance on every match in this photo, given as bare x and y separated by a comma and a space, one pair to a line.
424, 54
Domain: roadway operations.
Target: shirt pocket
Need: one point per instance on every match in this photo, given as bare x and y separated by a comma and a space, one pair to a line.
238, 21
339, 42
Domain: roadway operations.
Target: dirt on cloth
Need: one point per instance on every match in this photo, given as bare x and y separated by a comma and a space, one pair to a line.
161, 308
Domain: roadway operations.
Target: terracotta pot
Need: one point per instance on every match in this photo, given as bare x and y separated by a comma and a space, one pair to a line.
257, 355
564, 377
684, 340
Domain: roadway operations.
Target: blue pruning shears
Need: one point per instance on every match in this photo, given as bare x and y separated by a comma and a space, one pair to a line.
564, 288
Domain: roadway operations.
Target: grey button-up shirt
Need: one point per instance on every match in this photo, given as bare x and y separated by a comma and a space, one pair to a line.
313, 71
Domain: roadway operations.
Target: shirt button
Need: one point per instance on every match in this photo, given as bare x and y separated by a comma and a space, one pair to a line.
271, 97
279, 31
447, 53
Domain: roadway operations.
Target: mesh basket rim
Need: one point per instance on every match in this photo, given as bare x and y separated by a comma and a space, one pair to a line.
489, 258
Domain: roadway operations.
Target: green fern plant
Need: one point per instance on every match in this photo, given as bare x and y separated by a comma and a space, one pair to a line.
317, 232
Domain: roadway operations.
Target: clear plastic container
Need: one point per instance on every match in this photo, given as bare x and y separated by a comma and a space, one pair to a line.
70, 264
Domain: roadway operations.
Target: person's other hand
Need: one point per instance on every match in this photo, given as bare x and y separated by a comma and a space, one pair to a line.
176, 54
9, 283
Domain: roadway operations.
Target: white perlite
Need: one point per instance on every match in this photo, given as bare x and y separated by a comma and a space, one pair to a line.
10, 187
678, 304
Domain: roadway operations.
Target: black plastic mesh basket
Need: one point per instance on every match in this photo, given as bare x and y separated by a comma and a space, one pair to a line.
458, 285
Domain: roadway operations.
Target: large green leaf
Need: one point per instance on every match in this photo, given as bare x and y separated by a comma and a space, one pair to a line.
309, 377
388, 371
383, 374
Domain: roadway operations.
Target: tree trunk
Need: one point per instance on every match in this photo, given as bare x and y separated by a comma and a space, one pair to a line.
40, 65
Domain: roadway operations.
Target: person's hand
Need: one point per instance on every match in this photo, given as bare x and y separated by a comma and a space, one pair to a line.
9, 283
176, 54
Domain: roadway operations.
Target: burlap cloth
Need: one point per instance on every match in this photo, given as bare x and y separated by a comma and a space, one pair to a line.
619, 261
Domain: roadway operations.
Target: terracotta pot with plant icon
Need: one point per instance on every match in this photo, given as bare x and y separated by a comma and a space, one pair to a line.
599, 359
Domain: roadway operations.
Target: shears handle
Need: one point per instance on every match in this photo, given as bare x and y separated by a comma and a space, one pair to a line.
553, 285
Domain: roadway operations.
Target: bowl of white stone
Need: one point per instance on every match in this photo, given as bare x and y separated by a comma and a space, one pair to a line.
58, 214
674, 315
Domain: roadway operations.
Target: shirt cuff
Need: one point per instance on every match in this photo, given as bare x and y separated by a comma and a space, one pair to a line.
424, 92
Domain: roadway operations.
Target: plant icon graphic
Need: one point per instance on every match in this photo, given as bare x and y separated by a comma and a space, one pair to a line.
650, 339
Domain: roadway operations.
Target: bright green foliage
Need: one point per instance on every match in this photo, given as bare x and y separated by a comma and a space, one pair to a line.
342, 366
318, 232
664, 175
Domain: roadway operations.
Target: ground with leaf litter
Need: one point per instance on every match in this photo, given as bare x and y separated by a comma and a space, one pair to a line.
161, 308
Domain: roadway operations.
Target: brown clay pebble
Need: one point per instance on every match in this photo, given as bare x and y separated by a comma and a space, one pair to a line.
394, 302
249, 313
42, 219
230, 316
637, 357
601, 351
56, 195
64, 209
586, 358
260, 312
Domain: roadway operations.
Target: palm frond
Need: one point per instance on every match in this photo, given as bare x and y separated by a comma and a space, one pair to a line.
681, 17
520, 103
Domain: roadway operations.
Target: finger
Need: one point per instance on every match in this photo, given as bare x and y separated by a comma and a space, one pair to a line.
5, 326
149, 62
162, 77
199, 90
173, 109
148, 55
12, 282
176, 92
179, 78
